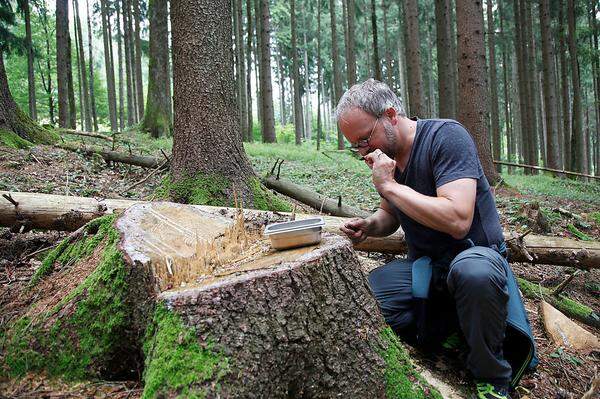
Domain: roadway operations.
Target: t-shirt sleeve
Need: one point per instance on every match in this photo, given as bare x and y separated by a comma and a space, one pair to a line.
454, 155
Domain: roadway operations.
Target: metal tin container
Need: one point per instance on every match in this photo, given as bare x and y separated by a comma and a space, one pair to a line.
296, 233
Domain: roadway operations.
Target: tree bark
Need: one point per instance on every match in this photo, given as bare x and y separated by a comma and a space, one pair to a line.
139, 84
62, 64
350, 45
578, 154
564, 88
266, 88
376, 63
506, 65
78, 65
337, 74
473, 112
157, 120
520, 41
46, 74
110, 76
241, 68
532, 104
120, 62
114, 156
495, 118
416, 95
389, 70
307, 107
91, 58
443, 14
85, 89
70, 85
30, 70
319, 81
249, 135
298, 120
551, 106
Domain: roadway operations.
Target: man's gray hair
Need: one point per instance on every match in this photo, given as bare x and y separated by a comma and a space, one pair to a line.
372, 96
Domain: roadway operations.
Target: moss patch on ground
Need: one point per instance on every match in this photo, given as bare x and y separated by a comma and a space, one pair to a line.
11, 139
402, 380
215, 190
176, 363
83, 335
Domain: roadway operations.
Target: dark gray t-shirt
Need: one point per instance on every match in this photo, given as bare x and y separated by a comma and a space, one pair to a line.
443, 151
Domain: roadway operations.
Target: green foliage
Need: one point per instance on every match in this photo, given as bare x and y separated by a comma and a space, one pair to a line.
285, 134
402, 380
578, 233
85, 330
11, 139
555, 187
177, 361
596, 217
265, 199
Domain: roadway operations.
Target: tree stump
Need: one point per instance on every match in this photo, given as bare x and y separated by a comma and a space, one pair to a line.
213, 311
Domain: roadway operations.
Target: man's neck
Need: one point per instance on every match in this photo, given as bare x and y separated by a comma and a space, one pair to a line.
407, 129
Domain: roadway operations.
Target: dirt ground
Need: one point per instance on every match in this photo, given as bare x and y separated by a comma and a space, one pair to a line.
561, 374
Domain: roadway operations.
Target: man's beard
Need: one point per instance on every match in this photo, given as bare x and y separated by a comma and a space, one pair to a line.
390, 149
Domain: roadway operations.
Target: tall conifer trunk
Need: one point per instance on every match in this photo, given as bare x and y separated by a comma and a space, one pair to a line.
62, 64
416, 95
30, 69
268, 117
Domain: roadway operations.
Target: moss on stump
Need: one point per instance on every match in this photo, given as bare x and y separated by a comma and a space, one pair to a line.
216, 190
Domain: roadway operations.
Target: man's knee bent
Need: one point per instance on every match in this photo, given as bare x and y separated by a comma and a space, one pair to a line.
476, 272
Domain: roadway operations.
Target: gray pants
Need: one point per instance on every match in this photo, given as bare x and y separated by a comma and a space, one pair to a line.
477, 284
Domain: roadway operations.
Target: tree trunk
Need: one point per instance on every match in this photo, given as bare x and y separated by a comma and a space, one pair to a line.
307, 108
248, 133
350, 44
281, 76
62, 63
298, 122
376, 63
157, 120
257, 60
521, 50
46, 75
85, 89
505, 84
139, 84
13, 119
443, 14
30, 70
416, 95
495, 119
207, 152
241, 67
70, 85
319, 81
266, 88
472, 80
564, 85
78, 65
337, 74
120, 62
532, 108
110, 76
130, 81
578, 154
389, 70
91, 58
551, 106
115, 156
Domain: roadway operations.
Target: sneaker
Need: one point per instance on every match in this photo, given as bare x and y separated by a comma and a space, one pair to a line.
488, 391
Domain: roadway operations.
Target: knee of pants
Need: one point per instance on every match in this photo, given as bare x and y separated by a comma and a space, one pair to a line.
476, 276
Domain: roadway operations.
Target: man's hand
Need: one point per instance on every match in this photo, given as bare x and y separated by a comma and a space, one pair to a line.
383, 169
356, 229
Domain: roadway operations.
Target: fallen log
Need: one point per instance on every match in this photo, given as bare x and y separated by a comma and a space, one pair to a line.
86, 134
215, 310
313, 199
114, 156
47, 211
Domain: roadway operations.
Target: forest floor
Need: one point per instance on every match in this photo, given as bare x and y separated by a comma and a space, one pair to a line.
538, 203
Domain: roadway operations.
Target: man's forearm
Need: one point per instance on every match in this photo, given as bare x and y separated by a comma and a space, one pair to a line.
438, 213
382, 223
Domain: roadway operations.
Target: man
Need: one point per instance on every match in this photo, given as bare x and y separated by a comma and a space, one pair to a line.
431, 182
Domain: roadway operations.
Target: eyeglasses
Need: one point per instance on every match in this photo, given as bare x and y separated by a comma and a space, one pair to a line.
365, 142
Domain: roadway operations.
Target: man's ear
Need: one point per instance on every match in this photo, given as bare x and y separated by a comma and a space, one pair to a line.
391, 113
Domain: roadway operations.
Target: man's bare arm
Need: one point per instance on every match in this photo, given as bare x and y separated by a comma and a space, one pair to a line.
450, 212
379, 224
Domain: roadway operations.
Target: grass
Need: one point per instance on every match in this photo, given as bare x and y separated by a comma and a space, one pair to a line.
549, 186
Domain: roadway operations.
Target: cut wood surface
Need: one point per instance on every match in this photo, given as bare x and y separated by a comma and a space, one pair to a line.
47, 211
565, 332
311, 198
114, 156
